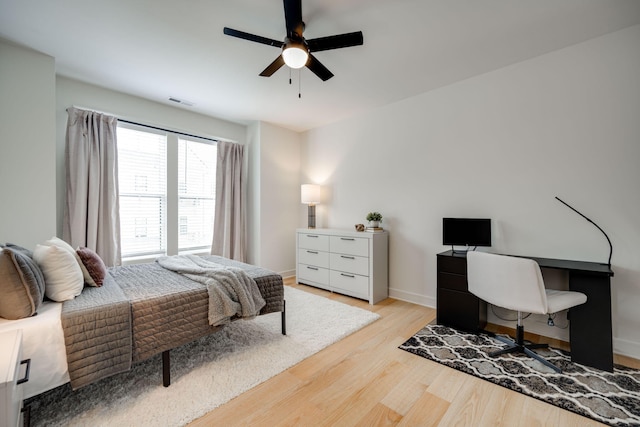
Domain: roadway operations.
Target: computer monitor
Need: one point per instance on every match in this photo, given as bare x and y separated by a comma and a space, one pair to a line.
466, 231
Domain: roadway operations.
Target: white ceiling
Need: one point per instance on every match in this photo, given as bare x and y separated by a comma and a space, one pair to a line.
158, 49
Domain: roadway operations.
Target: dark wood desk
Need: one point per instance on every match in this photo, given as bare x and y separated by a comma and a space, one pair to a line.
590, 323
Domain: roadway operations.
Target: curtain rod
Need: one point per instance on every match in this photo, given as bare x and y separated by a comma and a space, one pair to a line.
149, 126
166, 130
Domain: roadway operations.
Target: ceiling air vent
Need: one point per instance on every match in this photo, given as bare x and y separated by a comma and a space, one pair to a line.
181, 101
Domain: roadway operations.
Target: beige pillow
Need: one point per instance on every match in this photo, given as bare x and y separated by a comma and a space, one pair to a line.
21, 285
62, 275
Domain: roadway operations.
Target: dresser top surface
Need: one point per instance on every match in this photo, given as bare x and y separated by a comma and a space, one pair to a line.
340, 232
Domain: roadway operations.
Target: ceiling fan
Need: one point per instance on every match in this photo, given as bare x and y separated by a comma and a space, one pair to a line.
296, 50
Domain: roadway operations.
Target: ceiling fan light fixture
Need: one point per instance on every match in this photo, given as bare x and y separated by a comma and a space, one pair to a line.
295, 54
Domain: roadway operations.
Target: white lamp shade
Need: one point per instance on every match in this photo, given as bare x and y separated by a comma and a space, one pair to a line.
310, 194
295, 57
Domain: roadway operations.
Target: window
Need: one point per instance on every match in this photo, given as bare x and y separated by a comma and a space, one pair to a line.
142, 181
167, 192
196, 193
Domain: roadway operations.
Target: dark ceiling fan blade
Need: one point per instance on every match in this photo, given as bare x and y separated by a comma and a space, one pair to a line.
273, 67
318, 69
252, 37
335, 42
293, 17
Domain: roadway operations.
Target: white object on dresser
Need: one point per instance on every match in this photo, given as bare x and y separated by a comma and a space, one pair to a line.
347, 262
10, 382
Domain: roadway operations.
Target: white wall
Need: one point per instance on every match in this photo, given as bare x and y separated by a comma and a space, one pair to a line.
272, 152
280, 189
275, 194
33, 128
74, 93
501, 145
27, 146
253, 194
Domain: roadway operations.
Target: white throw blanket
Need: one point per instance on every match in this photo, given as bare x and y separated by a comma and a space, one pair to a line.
231, 291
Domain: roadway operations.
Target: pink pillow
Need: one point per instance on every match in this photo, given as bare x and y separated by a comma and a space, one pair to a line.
94, 270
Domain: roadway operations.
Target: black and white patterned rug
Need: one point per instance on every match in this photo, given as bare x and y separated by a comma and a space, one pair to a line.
611, 398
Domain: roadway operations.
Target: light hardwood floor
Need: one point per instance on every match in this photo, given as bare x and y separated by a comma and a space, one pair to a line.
365, 380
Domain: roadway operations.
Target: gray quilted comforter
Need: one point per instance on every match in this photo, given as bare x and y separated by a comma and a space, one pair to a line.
143, 310
97, 333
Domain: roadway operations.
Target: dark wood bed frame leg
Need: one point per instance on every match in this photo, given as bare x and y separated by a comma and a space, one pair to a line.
166, 368
284, 318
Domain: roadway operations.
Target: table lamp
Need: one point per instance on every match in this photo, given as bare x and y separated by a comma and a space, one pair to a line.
310, 195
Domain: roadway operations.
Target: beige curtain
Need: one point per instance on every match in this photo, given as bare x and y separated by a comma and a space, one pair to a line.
92, 216
229, 229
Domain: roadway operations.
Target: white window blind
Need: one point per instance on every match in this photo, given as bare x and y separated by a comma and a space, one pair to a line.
167, 192
196, 194
142, 180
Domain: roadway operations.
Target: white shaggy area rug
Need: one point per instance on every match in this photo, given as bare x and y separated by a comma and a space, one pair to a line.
206, 373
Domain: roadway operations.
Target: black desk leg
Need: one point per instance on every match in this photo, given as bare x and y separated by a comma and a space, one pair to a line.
591, 329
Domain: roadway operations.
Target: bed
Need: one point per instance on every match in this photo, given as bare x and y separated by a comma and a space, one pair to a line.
140, 311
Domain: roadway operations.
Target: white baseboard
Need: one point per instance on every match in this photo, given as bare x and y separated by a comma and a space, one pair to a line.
626, 348
412, 298
288, 273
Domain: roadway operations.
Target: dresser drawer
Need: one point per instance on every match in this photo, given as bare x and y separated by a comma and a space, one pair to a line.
453, 281
313, 257
350, 264
350, 284
350, 245
317, 275
451, 264
461, 310
313, 241
11, 391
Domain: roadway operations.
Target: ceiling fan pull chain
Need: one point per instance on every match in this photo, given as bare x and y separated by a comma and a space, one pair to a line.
299, 84
289, 75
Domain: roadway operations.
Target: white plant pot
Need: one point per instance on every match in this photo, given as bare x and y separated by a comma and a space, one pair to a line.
374, 223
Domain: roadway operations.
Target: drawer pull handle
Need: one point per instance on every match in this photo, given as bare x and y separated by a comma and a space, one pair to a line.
312, 268
347, 257
312, 252
311, 235
26, 374
347, 275
351, 239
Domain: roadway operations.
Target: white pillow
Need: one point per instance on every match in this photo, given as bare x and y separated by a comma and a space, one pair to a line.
62, 275
56, 241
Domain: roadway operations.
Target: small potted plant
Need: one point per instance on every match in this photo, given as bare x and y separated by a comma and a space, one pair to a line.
374, 218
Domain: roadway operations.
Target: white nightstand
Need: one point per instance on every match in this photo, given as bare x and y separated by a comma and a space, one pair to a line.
11, 391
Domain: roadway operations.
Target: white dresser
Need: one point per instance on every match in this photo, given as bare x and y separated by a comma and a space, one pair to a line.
10, 389
347, 262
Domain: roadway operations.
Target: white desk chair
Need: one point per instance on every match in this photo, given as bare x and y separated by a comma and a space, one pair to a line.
516, 284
